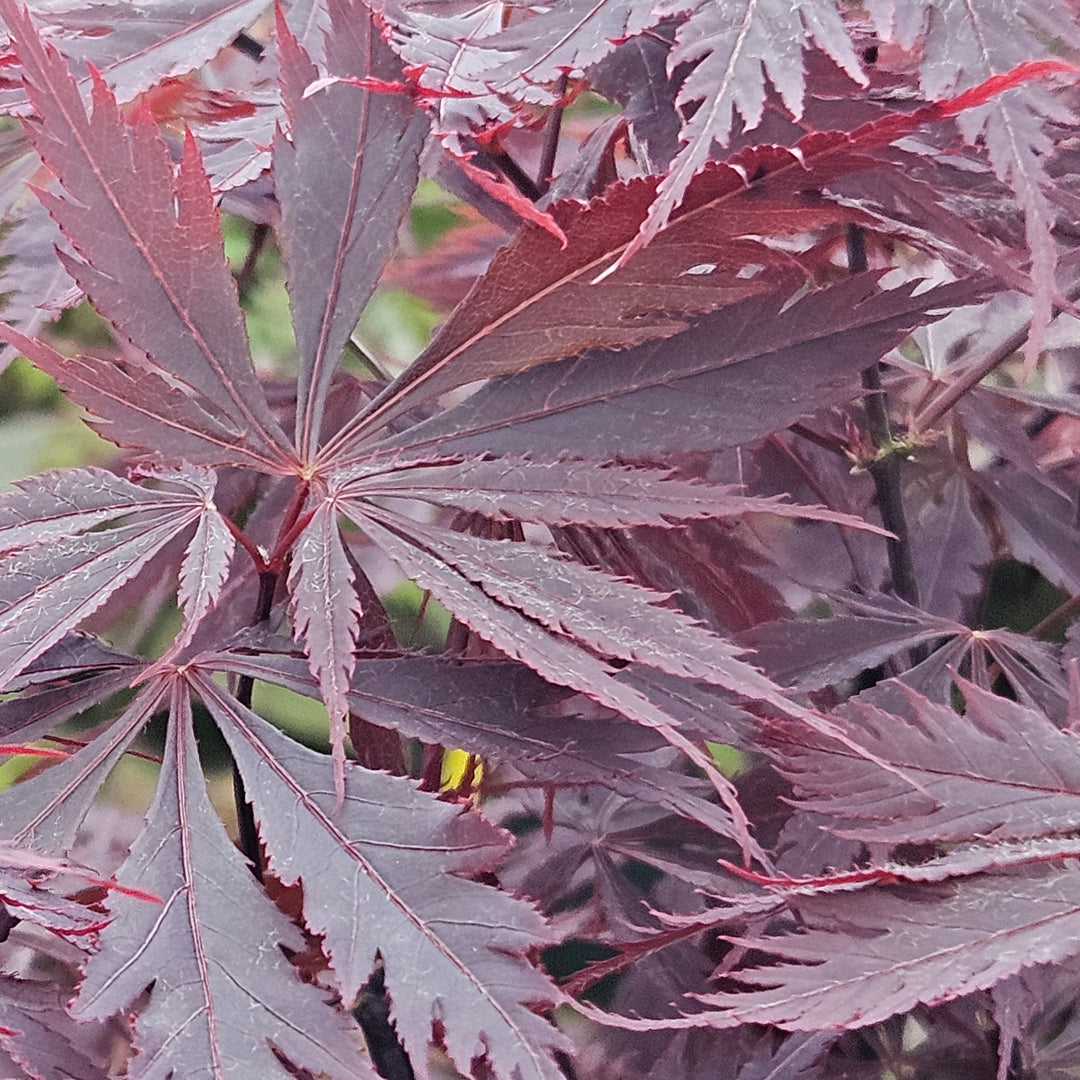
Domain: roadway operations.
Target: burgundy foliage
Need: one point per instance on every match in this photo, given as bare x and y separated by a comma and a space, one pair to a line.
717, 467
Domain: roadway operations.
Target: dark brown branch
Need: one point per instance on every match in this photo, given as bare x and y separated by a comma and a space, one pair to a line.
887, 466
245, 688
975, 374
551, 137
245, 276
245, 44
496, 156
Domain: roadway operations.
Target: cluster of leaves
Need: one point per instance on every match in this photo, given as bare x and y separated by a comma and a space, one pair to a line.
751, 343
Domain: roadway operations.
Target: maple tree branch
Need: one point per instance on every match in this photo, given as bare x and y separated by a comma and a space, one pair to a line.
970, 378
1062, 611
497, 156
245, 276
975, 374
248, 46
886, 468
245, 688
551, 137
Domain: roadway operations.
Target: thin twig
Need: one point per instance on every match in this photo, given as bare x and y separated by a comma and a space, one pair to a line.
976, 373
551, 136
1062, 611
245, 276
245, 815
497, 156
886, 469
247, 45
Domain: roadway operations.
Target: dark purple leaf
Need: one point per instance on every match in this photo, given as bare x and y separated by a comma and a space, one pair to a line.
954, 548
136, 407
326, 616
131, 221
501, 711
567, 492
442, 51
854, 966
712, 568
55, 573
595, 836
734, 46
23, 719
512, 320
1040, 523
572, 600
136, 48
452, 948
635, 75
224, 997
584, 406
203, 571
33, 279
344, 173
965, 44
44, 812
25, 897
1003, 770
763, 190
807, 654
48, 1040
569, 37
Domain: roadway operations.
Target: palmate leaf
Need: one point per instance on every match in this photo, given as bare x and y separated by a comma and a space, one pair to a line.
966, 43
48, 1043
76, 685
807, 654
566, 492
136, 48
1003, 770
55, 572
344, 174
43, 813
735, 364
138, 408
811, 654
734, 45
564, 620
949, 567
452, 948
538, 300
851, 967
707, 257
568, 37
441, 51
594, 834
965, 928
223, 996
501, 711
518, 597
151, 255
326, 616
514, 319
613, 618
